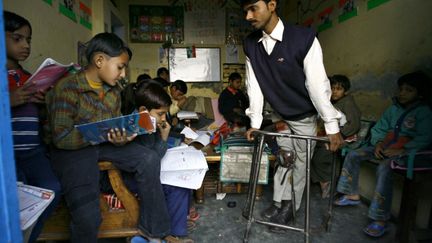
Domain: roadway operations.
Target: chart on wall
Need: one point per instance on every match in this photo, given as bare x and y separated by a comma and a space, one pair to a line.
203, 66
156, 24
204, 22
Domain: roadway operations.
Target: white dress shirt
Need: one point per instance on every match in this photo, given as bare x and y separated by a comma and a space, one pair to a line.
317, 83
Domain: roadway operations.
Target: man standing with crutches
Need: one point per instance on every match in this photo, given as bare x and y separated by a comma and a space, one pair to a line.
284, 65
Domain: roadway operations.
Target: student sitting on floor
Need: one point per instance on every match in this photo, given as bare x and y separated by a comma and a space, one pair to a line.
32, 165
152, 97
89, 96
404, 126
322, 157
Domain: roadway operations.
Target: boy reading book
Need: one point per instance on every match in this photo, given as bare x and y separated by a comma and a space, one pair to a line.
89, 96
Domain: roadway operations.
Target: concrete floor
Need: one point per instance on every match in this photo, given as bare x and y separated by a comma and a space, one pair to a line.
219, 223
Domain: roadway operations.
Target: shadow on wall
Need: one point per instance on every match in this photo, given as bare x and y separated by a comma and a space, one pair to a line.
373, 93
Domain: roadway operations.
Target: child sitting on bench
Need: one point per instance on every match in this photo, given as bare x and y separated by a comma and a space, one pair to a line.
404, 126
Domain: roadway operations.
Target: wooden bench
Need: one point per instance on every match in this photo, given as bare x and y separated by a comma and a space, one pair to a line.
115, 223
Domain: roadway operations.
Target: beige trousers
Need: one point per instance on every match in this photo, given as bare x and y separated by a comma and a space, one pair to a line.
306, 126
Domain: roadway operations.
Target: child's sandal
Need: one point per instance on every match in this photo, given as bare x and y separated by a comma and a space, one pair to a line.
345, 201
375, 230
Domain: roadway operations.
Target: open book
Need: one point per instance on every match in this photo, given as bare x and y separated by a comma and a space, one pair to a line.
201, 137
183, 115
32, 202
139, 123
48, 73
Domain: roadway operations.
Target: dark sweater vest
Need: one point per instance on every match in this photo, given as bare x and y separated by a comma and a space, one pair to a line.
280, 75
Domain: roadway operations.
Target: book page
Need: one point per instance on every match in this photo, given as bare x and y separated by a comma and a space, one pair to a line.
189, 133
32, 202
203, 138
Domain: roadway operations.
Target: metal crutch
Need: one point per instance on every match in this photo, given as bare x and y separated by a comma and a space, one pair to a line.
253, 181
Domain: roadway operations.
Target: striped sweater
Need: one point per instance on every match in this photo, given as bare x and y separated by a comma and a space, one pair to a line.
25, 118
71, 102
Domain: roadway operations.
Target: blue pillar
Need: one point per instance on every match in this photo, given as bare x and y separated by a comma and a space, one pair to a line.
10, 230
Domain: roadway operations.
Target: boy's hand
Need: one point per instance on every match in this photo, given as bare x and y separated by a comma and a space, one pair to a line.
39, 97
181, 100
164, 128
119, 137
20, 96
379, 151
392, 152
336, 141
188, 141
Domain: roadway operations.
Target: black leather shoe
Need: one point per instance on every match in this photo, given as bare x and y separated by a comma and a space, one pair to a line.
270, 212
284, 214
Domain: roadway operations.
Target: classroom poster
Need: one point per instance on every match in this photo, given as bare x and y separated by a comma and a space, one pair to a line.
232, 53
347, 9
229, 68
237, 28
205, 25
85, 15
68, 9
375, 3
151, 24
48, 1
325, 19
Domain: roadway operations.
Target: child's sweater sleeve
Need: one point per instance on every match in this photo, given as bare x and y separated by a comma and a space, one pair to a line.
353, 116
423, 127
382, 127
154, 142
62, 110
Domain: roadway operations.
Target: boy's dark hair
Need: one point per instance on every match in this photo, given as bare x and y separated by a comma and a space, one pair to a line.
147, 93
162, 81
143, 77
161, 70
13, 21
246, 2
180, 85
342, 80
234, 76
419, 80
107, 43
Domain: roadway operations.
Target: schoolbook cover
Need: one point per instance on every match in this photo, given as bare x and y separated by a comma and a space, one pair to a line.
48, 73
139, 123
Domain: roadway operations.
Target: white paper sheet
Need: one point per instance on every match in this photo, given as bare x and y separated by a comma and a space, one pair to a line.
183, 167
